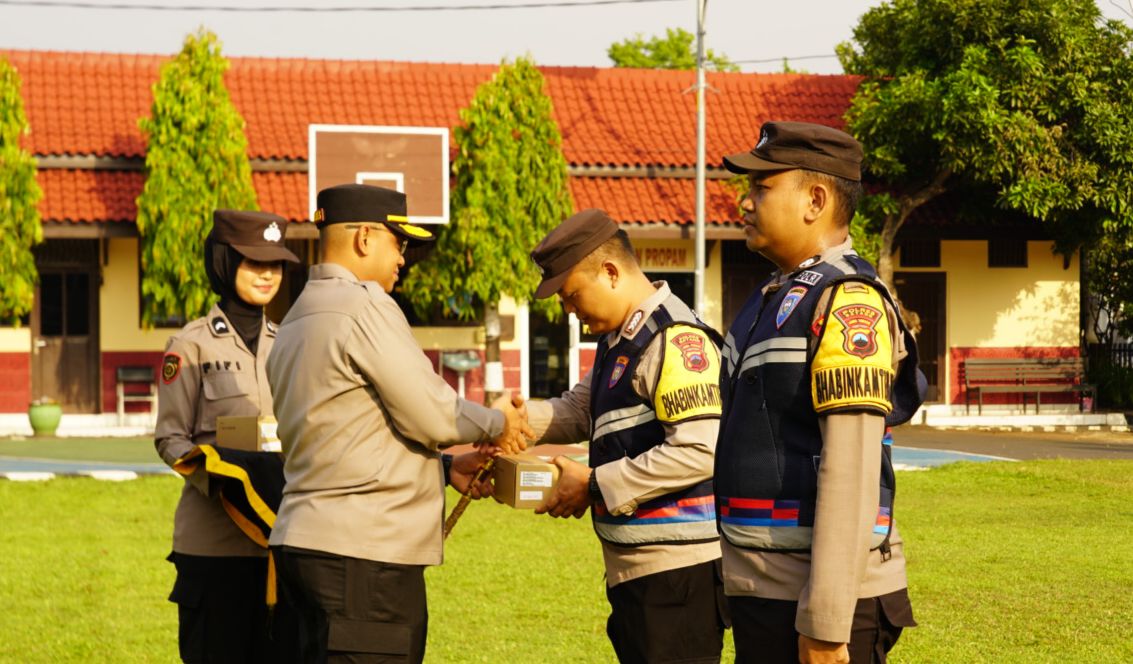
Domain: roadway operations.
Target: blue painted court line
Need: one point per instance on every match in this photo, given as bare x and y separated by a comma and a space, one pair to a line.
62, 467
916, 458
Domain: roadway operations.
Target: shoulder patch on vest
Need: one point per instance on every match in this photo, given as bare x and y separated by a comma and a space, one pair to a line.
689, 383
170, 367
790, 302
853, 366
618, 372
218, 325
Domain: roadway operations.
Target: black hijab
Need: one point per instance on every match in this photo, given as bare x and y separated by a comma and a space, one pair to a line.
221, 264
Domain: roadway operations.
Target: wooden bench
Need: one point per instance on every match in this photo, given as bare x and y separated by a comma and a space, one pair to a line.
1025, 376
135, 377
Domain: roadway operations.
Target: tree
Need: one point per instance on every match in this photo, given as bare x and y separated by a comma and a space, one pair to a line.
676, 50
1020, 104
20, 227
196, 162
510, 190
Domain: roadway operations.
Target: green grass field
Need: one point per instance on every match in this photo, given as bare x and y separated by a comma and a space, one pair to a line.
118, 450
1009, 562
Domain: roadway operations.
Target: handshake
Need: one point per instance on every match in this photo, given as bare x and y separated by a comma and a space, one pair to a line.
571, 496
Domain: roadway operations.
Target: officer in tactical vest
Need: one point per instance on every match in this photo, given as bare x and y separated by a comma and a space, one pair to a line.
650, 408
816, 365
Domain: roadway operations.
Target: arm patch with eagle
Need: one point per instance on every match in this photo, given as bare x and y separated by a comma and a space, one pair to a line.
852, 367
688, 385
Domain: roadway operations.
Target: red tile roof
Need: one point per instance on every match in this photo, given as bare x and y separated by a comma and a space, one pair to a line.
89, 196
93, 196
89, 104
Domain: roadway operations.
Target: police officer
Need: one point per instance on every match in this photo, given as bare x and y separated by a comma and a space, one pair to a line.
650, 408
816, 365
362, 415
215, 367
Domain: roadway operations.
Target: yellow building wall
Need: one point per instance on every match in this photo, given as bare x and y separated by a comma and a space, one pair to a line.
452, 338
1035, 306
1009, 307
15, 340
120, 323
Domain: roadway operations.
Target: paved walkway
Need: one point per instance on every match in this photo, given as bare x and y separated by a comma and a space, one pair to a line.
1020, 445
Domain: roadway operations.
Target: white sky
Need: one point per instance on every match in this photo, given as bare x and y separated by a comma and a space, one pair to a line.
741, 29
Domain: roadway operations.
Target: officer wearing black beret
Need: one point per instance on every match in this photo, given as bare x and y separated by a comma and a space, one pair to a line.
816, 366
363, 418
214, 367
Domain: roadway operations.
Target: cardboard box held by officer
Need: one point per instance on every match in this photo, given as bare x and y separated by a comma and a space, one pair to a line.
524, 480
251, 434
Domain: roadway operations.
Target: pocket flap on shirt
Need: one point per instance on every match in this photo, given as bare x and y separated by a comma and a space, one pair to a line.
222, 385
367, 637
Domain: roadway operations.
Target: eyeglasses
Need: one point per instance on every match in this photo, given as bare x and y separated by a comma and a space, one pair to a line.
402, 246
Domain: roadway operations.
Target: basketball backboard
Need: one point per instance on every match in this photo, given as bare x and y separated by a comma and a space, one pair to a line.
412, 160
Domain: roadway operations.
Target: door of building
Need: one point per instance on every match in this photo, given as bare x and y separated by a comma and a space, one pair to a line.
743, 272
923, 293
64, 325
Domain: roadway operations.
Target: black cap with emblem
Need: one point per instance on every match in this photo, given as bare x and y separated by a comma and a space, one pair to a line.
567, 244
256, 235
786, 146
360, 203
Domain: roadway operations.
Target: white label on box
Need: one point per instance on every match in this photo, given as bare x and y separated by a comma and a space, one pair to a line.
531, 495
535, 478
272, 446
268, 430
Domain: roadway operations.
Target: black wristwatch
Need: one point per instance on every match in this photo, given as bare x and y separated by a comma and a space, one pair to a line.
446, 462
592, 489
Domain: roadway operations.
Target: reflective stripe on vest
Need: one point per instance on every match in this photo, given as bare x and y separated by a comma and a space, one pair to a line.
666, 519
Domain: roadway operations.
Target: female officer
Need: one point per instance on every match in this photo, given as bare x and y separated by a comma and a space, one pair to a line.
215, 367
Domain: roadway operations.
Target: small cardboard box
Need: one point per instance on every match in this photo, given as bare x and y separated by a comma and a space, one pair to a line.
251, 434
524, 481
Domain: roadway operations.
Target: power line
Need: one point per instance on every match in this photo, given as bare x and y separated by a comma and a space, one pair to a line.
405, 8
782, 58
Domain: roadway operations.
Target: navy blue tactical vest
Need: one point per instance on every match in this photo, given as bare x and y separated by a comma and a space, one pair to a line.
625, 424
770, 446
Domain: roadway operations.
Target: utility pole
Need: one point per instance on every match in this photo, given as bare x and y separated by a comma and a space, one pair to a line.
700, 304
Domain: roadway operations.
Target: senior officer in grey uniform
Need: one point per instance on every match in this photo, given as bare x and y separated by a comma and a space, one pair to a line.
650, 408
817, 364
215, 367
362, 415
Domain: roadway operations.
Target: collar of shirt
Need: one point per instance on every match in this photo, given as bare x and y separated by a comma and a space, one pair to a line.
778, 277
331, 271
634, 323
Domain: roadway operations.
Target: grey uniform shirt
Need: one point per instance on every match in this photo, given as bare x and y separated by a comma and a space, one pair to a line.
216, 375
841, 568
684, 459
362, 415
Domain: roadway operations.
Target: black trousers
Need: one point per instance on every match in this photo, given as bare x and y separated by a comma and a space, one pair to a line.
764, 629
353, 610
673, 616
222, 612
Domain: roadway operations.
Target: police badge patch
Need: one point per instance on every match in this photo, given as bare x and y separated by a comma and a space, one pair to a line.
691, 345
619, 369
219, 326
170, 367
790, 302
860, 328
